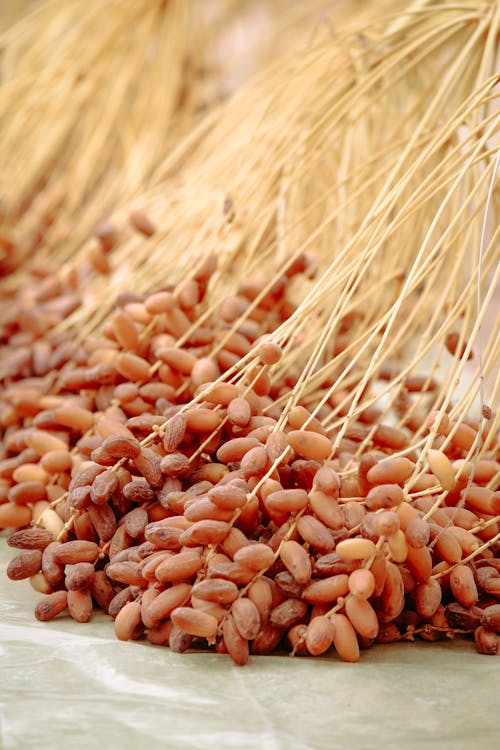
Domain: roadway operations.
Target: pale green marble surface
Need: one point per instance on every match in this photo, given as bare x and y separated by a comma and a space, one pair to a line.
66, 686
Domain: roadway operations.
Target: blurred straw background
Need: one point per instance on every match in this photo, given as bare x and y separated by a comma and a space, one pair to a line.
94, 96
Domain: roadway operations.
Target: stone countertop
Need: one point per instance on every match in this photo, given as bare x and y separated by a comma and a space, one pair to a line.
68, 686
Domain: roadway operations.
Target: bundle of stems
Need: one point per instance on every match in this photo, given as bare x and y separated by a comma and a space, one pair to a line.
298, 142
376, 151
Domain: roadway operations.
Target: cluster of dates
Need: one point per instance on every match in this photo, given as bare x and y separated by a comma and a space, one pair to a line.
155, 472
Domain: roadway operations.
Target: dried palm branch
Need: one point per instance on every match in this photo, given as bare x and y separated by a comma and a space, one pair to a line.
307, 145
